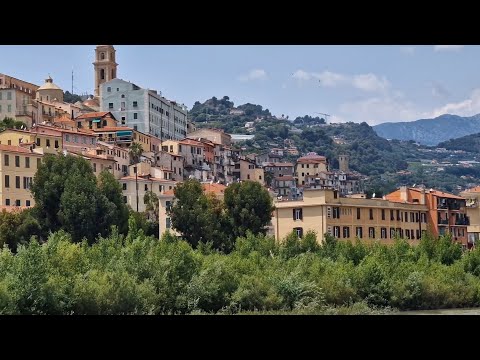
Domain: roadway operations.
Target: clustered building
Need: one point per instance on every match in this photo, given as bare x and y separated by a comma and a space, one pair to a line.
308, 194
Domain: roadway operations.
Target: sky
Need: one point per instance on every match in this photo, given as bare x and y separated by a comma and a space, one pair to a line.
375, 84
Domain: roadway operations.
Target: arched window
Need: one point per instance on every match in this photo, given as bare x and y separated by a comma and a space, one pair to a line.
102, 56
102, 74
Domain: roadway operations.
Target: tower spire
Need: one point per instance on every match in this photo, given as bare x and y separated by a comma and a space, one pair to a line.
104, 66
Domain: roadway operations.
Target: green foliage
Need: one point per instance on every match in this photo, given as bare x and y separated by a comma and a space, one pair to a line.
136, 151
68, 197
71, 98
249, 207
10, 123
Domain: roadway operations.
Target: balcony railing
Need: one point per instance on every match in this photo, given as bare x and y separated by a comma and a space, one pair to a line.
464, 221
442, 221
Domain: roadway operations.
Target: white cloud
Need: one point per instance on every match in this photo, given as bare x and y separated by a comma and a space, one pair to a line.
379, 109
467, 107
439, 91
301, 75
448, 47
256, 74
370, 82
365, 82
330, 79
409, 50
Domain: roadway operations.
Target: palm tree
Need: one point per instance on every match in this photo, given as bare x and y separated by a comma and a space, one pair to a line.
136, 151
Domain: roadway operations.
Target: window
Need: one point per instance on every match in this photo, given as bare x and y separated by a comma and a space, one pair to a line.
17, 161
7, 202
27, 162
417, 217
48, 143
359, 232
110, 105
125, 199
329, 212
407, 234
109, 89
392, 216
358, 213
56, 144
6, 160
168, 223
67, 138
123, 120
17, 182
102, 56
335, 194
39, 162
168, 205
248, 176
135, 127
392, 233
118, 89
102, 74
135, 104
371, 213
383, 214
123, 96
418, 234
406, 216
383, 233
398, 215
412, 217
336, 231
146, 187
371, 232
94, 167
9, 108
135, 115
336, 213
297, 214
423, 216
124, 186
10, 142
9, 95
346, 232
17, 202
7, 181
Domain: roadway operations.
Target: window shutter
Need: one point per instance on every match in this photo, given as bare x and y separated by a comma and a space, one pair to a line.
301, 232
301, 214
293, 214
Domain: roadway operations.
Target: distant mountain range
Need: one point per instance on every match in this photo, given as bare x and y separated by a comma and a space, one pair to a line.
430, 131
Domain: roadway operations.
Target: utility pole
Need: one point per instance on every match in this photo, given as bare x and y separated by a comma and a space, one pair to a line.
136, 183
72, 80
326, 116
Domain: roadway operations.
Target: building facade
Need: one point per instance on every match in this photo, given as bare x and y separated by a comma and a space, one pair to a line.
143, 110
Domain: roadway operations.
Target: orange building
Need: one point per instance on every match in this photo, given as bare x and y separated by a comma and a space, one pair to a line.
446, 212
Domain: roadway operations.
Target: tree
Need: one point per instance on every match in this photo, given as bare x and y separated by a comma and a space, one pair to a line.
111, 189
198, 217
67, 197
136, 151
152, 207
249, 206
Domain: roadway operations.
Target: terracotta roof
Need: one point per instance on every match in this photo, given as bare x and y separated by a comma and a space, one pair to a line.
279, 164
474, 189
445, 195
12, 208
93, 115
78, 131
12, 148
190, 142
112, 128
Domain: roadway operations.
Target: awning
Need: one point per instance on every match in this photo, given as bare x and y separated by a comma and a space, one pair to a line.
96, 120
124, 133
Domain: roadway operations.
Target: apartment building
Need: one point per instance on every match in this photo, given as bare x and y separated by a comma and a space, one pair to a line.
18, 166
143, 110
447, 213
472, 202
73, 140
347, 218
311, 164
216, 136
247, 170
50, 143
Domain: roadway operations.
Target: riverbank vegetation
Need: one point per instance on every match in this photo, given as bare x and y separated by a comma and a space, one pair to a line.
138, 274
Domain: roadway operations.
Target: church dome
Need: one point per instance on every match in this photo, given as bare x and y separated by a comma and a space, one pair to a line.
91, 102
49, 85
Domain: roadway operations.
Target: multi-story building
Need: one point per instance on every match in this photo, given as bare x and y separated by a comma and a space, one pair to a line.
311, 164
167, 198
18, 166
285, 186
247, 170
96, 120
472, 199
347, 218
119, 154
73, 140
216, 136
50, 143
105, 67
143, 109
17, 100
446, 212
172, 162
346, 183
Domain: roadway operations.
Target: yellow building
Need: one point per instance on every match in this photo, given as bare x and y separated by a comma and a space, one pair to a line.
311, 164
51, 144
249, 171
18, 166
473, 212
347, 218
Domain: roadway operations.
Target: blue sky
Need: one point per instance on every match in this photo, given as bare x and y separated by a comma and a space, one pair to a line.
352, 83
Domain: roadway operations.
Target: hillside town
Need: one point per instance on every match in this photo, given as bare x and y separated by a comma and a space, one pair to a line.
309, 194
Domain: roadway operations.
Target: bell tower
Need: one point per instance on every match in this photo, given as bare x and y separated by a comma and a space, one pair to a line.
104, 65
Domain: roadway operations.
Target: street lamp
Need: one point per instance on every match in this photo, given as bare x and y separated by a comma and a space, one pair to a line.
136, 183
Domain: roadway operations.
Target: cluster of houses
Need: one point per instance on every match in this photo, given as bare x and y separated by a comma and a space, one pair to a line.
308, 193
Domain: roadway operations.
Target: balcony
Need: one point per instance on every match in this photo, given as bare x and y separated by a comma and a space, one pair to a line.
442, 221
463, 221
